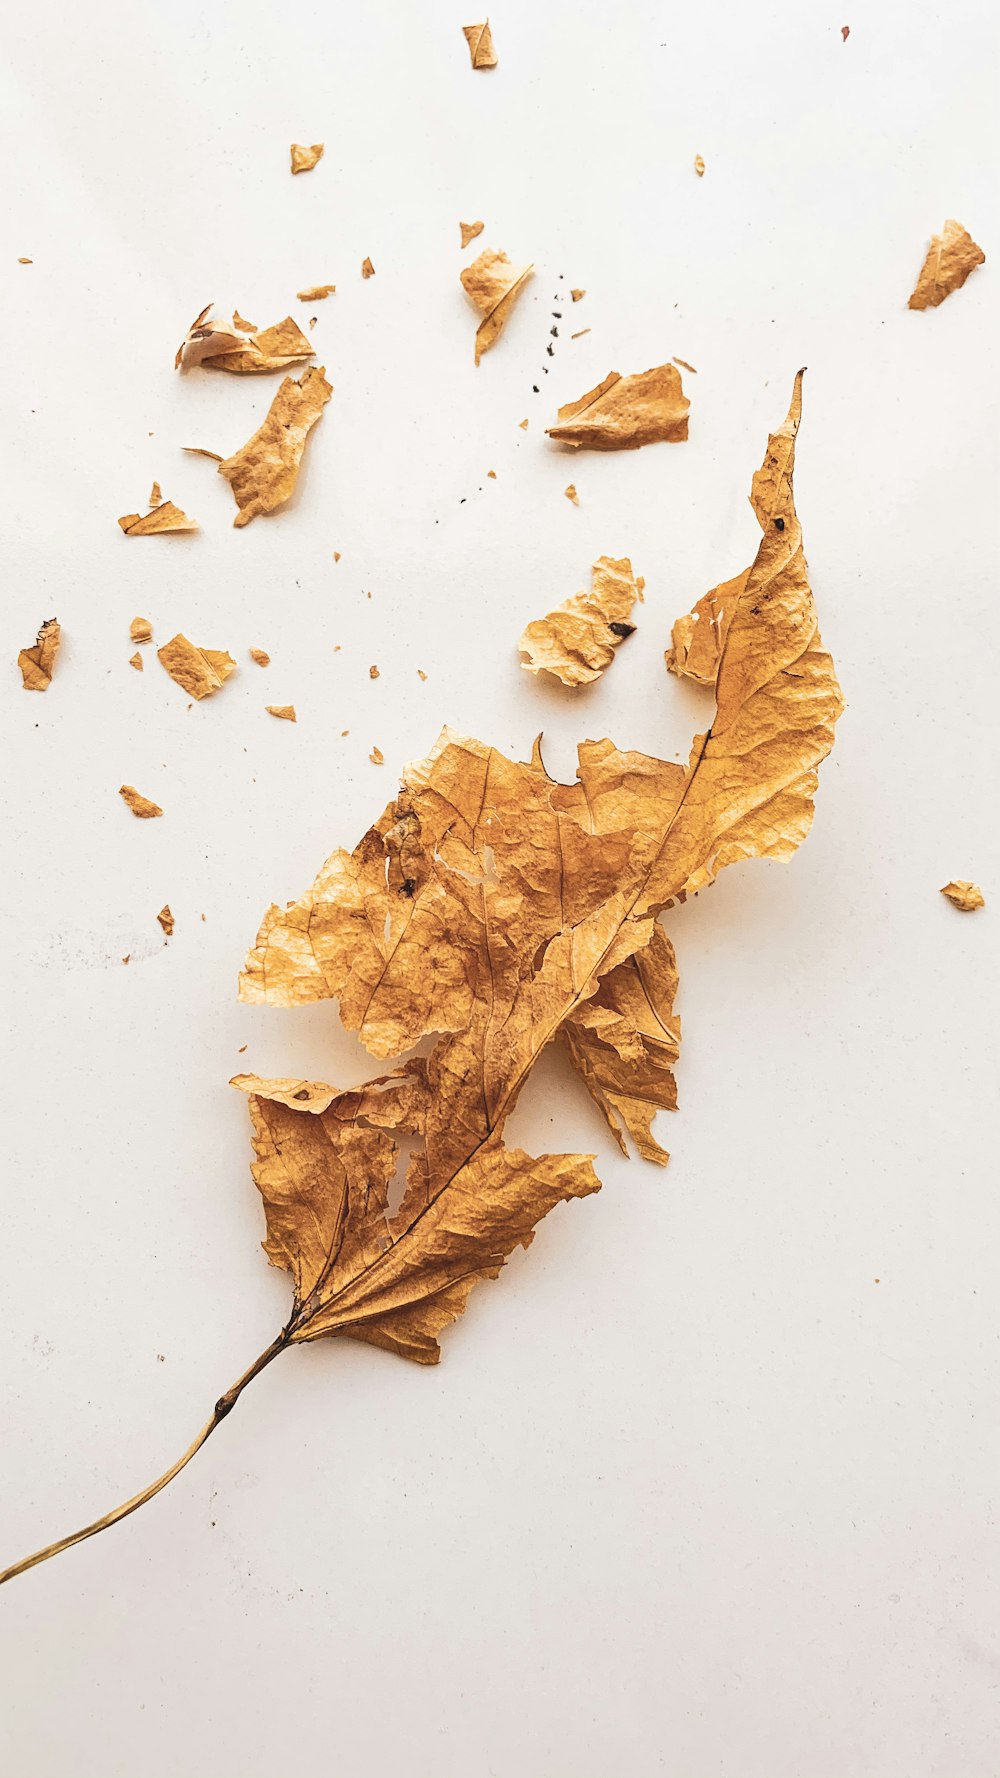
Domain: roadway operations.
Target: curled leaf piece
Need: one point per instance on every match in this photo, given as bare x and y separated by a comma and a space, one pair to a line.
470, 230
240, 349
285, 711
623, 413
699, 166
155, 495
967, 897
697, 640
951, 256
166, 919
571, 494
305, 158
163, 519
38, 662
261, 656
367, 269
139, 805
135, 660
263, 473
316, 293
480, 41
140, 630
577, 641
198, 671
625, 1041
493, 286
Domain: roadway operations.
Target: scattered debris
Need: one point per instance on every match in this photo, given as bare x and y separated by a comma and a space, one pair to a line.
166, 919
139, 805
303, 158
38, 662
577, 641
967, 897
263, 473
469, 231
261, 656
493, 285
163, 519
367, 269
623, 413
571, 494
316, 293
140, 630
480, 41
951, 256
198, 671
285, 711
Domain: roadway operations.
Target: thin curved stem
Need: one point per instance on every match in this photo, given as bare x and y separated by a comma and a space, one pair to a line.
223, 1406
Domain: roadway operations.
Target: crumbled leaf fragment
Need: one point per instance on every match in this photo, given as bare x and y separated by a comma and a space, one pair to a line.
198, 671
684, 365
243, 325
845, 32
580, 333
140, 630
37, 663
480, 41
623, 413
135, 660
951, 256
305, 158
139, 805
23, 261
699, 166
571, 494
316, 293
199, 451
493, 286
367, 269
286, 712
155, 495
578, 295
166, 919
967, 897
377, 757
577, 641
261, 656
263, 473
162, 520
373, 672
523, 425
470, 230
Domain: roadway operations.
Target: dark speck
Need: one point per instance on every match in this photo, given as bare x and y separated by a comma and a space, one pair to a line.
303, 1093
534, 391
779, 524
622, 630
408, 885
551, 351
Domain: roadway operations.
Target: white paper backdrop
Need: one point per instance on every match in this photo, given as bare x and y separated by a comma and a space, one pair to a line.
706, 1483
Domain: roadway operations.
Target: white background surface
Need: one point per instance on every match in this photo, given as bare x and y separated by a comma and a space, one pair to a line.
706, 1484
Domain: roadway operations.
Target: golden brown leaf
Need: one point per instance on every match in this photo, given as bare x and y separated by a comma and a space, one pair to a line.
160, 522
285, 711
305, 158
155, 495
951, 256
469, 231
140, 630
697, 640
135, 660
376, 755
22, 260
699, 166
578, 295
571, 493
239, 349
244, 326
623, 413
367, 269
166, 919
261, 656
493, 285
480, 41
263, 473
577, 640
38, 662
316, 293
624, 1042
967, 897
198, 671
139, 805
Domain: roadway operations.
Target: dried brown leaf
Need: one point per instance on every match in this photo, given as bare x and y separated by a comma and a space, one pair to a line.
376, 755
480, 41
305, 158
158, 523
263, 473
951, 256
699, 166
285, 711
155, 495
198, 671
140, 630
367, 269
493, 285
623, 413
139, 805
578, 295
697, 640
217, 345
243, 325
571, 494
494, 909
470, 230
577, 641
37, 663
316, 293
166, 919
261, 656
967, 897
135, 660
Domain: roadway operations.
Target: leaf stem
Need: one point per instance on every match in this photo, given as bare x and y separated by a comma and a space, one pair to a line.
223, 1406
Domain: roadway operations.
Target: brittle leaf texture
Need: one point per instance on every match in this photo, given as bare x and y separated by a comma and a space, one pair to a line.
494, 909
951, 256
577, 641
240, 348
264, 471
493, 285
623, 413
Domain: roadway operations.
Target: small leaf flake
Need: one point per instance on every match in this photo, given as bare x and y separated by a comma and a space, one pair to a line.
577, 641
37, 663
967, 897
139, 805
198, 671
480, 41
951, 257
493, 286
305, 158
